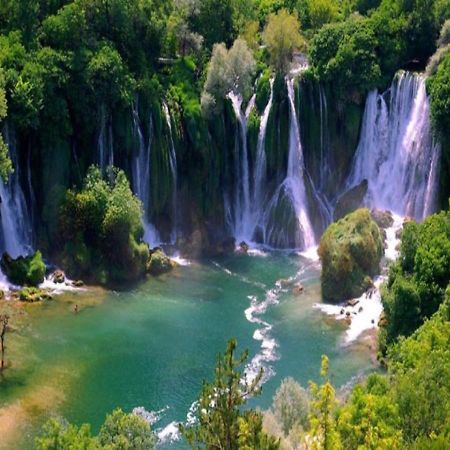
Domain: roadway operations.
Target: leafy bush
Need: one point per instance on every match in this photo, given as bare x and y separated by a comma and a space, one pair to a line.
25, 270
417, 282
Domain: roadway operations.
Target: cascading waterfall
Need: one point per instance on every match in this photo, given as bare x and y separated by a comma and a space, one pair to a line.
286, 221
173, 170
17, 231
397, 153
105, 143
259, 178
141, 170
243, 223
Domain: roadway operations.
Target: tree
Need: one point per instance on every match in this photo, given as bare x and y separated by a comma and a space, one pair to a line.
5, 162
282, 36
221, 423
291, 405
4, 319
228, 71
322, 12
324, 435
122, 431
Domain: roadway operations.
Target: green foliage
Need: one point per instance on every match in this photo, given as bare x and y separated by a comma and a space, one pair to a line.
290, 406
323, 410
339, 51
101, 229
25, 270
228, 71
120, 431
417, 283
5, 162
350, 251
369, 419
439, 89
282, 36
221, 423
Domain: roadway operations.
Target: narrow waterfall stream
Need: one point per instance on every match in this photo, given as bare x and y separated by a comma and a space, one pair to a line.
243, 223
397, 153
141, 170
105, 143
289, 204
173, 170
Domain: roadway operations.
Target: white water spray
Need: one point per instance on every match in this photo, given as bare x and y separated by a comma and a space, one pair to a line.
397, 153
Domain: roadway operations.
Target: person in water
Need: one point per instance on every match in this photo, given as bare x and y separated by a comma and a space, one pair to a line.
75, 309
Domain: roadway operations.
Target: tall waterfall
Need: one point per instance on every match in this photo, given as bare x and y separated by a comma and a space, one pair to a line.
287, 222
259, 177
105, 143
173, 170
141, 170
16, 229
397, 153
243, 223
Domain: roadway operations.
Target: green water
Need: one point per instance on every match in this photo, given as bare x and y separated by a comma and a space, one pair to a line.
153, 346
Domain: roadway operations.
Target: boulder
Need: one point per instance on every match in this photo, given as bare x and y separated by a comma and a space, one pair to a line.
382, 218
298, 289
350, 251
159, 262
350, 200
78, 283
25, 270
58, 277
243, 247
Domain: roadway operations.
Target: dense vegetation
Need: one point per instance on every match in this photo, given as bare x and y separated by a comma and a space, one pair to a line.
101, 230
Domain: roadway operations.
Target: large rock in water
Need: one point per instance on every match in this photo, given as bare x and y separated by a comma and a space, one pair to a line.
25, 270
159, 263
350, 200
350, 251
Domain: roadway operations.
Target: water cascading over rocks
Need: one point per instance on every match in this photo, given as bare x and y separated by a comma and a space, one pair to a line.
141, 170
16, 235
397, 153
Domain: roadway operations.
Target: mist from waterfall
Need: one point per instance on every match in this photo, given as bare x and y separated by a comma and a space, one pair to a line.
173, 170
397, 153
141, 174
16, 226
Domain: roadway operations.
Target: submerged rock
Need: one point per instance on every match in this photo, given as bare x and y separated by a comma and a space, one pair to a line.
350, 200
159, 262
24, 270
350, 251
77, 283
243, 247
298, 289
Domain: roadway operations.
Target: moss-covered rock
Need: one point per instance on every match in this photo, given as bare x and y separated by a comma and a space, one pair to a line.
25, 270
350, 251
159, 263
383, 219
33, 295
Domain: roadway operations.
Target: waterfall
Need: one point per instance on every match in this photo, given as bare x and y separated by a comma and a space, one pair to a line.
173, 170
17, 231
397, 153
286, 220
141, 170
105, 143
259, 178
243, 223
